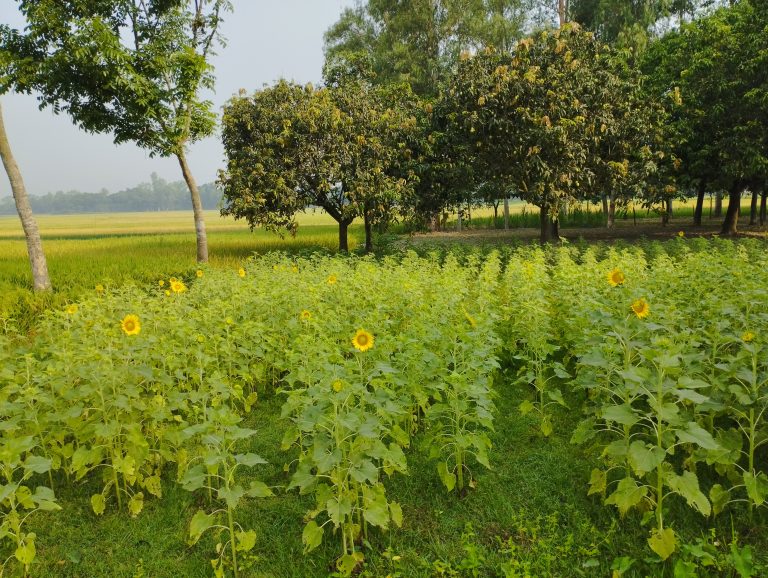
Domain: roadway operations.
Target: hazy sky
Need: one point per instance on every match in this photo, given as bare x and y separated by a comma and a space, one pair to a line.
266, 40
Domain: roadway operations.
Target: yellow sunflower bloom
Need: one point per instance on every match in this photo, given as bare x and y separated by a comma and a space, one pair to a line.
71, 309
641, 308
178, 286
748, 336
362, 341
131, 325
681, 234
199, 273
99, 288
332, 279
616, 278
161, 283
241, 272
337, 385
305, 315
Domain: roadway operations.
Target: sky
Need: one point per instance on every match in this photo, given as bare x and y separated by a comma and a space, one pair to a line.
266, 40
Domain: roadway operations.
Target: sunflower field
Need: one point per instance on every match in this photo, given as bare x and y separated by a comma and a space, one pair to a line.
339, 404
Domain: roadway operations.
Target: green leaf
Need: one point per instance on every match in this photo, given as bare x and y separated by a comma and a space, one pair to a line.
663, 542
312, 536
37, 464
136, 504
526, 407
396, 513
245, 540
687, 486
546, 426
742, 560
348, 562
26, 552
231, 495
598, 482
448, 478
695, 434
199, 524
557, 396
98, 504
249, 459
338, 508
627, 494
644, 458
259, 490
719, 497
621, 414
757, 487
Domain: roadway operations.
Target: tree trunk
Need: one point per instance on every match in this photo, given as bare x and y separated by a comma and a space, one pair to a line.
40, 279
556, 229
506, 213
368, 230
605, 207
669, 210
611, 213
197, 209
718, 204
495, 213
458, 221
730, 224
545, 233
562, 12
753, 208
343, 240
763, 199
699, 204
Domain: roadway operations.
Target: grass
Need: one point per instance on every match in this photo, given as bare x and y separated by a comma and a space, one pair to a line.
117, 248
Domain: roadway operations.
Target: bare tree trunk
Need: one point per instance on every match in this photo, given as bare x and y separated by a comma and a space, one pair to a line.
545, 232
612, 211
669, 210
458, 221
343, 237
40, 279
604, 198
763, 199
718, 204
197, 209
753, 208
730, 224
699, 204
368, 229
506, 213
562, 12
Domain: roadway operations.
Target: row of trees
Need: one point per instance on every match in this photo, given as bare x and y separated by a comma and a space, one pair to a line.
556, 118
157, 195
132, 68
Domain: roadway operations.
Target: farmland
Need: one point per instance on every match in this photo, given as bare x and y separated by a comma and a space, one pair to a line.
465, 411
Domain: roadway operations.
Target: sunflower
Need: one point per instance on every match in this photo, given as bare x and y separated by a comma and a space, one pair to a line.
199, 273
337, 385
131, 325
641, 308
616, 278
362, 341
681, 234
241, 272
305, 315
71, 309
161, 283
99, 288
332, 279
178, 286
748, 336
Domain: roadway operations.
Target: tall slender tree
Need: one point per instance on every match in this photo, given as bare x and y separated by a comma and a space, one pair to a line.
134, 68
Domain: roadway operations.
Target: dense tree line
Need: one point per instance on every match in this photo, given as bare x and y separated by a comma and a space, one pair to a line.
157, 195
568, 102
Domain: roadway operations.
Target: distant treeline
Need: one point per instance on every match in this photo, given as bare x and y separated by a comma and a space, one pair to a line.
157, 195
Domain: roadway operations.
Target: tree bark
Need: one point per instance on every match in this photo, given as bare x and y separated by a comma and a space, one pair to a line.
343, 237
699, 204
40, 278
506, 213
753, 208
545, 233
763, 199
562, 12
718, 204
197, 209
605, 207
611, 213
669, 210
730, 224
458, 221
368, 230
